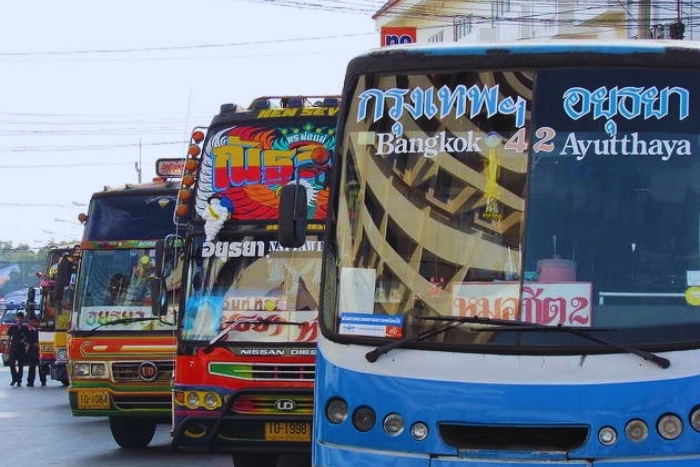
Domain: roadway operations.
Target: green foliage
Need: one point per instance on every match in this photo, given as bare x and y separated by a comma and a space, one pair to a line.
20, 264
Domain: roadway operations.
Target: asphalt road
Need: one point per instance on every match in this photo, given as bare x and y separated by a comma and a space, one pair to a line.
38, 429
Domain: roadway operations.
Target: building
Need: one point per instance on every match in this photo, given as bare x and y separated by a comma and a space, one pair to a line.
508, 20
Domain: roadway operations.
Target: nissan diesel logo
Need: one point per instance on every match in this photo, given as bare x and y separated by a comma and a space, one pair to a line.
148, 371
285, 405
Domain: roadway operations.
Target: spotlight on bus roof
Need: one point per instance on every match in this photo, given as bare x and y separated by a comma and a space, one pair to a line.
227, 108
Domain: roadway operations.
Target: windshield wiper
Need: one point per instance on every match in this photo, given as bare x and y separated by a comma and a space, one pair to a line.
129, 320
231, 324
507, 325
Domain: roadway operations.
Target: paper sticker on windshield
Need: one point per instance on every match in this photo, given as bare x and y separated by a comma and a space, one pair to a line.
692, 296
362, 324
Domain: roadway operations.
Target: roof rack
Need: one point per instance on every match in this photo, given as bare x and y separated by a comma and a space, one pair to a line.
286, 102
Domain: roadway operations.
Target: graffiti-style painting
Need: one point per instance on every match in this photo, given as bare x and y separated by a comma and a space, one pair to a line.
244, 168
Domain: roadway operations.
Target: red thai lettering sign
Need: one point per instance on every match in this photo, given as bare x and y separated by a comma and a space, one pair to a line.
398, 35
547, 303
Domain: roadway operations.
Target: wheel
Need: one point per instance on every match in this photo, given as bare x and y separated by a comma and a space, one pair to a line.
254, 460
132, 433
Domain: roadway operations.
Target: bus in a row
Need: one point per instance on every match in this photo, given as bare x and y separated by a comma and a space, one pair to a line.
511, 268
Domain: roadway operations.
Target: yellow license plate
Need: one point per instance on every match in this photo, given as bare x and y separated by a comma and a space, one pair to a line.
287, 431
93, 400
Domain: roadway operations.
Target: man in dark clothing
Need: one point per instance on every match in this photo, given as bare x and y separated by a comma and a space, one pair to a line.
64, 271
33, 353
18, 339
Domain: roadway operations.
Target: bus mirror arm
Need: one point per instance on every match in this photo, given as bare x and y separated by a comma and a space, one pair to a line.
157, 298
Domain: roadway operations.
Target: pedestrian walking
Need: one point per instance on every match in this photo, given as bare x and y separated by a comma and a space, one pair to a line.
18, 340
32, 354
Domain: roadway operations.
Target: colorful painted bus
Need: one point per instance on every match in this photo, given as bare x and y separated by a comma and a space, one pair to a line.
512, 263
121, 342
247, 332
53, 306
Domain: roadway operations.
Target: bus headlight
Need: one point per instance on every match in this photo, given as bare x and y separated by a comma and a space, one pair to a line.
636, 430
419, 431
695, 419
336, 410
211, 401
364, 418
97, 369
393, 424
192, 399
669, 426
81, 369
607, 436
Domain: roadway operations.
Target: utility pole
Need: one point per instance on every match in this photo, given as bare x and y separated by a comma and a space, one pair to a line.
137, 165
644, 19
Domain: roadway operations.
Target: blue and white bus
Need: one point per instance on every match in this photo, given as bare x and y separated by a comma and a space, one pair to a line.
512, 266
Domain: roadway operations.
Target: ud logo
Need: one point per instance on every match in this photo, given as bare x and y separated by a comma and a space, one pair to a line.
148, 371
285, 405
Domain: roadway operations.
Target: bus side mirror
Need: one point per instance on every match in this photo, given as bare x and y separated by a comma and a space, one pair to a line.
292, 219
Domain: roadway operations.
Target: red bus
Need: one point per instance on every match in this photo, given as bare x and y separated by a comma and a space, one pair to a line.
246, 337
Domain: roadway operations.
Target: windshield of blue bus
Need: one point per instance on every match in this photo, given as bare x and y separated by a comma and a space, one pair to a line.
556, 197
254, 288
114, 291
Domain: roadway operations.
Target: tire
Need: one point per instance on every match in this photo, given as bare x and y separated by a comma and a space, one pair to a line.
254, 460
132, 433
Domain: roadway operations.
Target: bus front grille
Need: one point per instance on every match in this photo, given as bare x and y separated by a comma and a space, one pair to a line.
133, 371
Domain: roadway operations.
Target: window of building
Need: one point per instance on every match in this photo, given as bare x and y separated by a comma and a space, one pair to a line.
439, 37
463, 26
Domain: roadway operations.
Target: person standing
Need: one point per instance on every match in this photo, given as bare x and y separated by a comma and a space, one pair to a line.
33, 353
63, 276
18, 340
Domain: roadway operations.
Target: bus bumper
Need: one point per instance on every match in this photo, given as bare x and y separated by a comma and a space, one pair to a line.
326, 455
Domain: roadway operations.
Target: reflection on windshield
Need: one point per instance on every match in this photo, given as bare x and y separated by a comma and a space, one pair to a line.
574, 217
115, 285
260, 285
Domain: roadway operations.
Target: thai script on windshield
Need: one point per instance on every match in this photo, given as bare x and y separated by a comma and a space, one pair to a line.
546, 303
430, 103
251, 249
628, 102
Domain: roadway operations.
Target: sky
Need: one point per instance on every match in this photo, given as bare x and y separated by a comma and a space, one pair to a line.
89, 90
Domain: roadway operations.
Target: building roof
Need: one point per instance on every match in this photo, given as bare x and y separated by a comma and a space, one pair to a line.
386, 8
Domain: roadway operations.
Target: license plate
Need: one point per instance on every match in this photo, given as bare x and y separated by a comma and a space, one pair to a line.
93, 400
287, 431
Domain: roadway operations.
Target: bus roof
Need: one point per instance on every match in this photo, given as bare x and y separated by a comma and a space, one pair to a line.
554, 52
